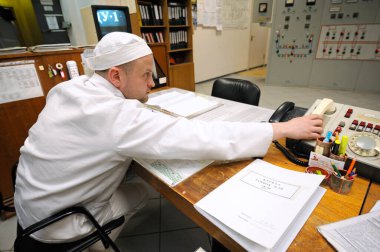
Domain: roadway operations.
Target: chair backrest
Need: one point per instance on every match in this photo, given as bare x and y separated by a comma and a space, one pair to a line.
236, 90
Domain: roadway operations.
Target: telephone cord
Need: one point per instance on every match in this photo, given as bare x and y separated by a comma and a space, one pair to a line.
289, 156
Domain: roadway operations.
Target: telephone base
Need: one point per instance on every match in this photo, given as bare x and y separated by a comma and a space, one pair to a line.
299, 146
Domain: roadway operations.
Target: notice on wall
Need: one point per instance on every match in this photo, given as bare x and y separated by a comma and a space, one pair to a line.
19, 81
234, 14
223, 13
52, 22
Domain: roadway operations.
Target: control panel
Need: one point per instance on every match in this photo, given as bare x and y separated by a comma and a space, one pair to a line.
332, 44
349, 42
362, 126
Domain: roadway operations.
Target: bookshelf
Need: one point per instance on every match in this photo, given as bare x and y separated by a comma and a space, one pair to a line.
166, 26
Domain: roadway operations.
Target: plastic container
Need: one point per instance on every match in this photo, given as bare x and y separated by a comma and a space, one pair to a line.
337, 157
323, 147
313, 169
341, 184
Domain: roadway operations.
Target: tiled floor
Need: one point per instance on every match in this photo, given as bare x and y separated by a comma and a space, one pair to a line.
160, 226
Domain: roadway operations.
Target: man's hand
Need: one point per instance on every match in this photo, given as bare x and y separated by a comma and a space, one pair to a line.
306, 127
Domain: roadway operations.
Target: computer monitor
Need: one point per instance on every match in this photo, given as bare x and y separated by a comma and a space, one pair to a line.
111, 18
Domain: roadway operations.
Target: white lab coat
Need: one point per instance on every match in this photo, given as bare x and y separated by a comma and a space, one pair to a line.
78, 151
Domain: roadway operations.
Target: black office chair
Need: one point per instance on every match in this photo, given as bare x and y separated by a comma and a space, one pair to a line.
24, 242
236, 90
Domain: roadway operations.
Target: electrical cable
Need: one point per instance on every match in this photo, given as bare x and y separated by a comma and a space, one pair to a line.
289, 156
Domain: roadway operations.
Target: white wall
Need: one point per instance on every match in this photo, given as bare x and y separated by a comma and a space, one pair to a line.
218, 53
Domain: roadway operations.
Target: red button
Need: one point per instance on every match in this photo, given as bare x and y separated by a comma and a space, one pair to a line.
347, 115
350, 110
339, 129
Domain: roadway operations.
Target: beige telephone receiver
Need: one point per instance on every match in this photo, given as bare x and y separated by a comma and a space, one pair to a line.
325, 106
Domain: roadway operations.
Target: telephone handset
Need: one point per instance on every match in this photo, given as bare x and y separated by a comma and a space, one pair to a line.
326, 106
283, 113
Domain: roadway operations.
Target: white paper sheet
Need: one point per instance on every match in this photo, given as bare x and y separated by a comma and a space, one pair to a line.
19, 82
288, 237
361, 233
261, 201
376, 207
173, 172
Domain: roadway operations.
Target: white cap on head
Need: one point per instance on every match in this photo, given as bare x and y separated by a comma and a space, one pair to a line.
117, 48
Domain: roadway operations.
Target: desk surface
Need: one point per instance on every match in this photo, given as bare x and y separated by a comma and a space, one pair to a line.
331, 208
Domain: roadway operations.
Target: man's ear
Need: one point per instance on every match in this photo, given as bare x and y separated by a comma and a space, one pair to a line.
113, 75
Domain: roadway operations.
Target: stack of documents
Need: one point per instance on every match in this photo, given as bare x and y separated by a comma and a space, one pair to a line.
12, 50
51, 47
264, 206
361, 233
187, 104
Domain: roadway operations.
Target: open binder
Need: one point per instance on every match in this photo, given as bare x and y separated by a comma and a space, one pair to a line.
183, 104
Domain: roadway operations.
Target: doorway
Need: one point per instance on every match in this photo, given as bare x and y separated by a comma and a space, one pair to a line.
258, 45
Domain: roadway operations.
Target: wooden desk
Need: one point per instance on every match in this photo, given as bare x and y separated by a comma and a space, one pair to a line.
331, 208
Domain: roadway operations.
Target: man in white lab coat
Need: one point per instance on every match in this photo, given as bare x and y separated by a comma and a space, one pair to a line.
91, 128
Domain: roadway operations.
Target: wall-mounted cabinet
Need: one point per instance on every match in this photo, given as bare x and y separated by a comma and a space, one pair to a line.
166, 25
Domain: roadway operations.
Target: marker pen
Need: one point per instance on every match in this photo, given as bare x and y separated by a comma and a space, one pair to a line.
328, 135
343, 145
336, 147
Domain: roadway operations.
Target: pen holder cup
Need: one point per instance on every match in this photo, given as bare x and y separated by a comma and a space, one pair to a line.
340, 184
314, 170
337, 157
323, 148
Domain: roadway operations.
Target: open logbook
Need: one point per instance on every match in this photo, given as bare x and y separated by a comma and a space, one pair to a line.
187, 104
263, 206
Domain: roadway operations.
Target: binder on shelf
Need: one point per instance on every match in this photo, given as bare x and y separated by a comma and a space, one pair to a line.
151, 14
159, 76
177, 14
178, 39
153, 37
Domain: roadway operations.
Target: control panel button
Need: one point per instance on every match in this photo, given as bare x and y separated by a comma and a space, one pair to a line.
361, 126
347, 115
369, 127
354, 124
376, 131
342, 124
339, 129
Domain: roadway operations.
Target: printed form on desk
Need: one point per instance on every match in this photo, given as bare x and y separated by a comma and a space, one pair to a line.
263, 206
211, 109
361, 233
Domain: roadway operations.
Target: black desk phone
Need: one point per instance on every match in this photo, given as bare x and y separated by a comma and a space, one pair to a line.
283, 113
